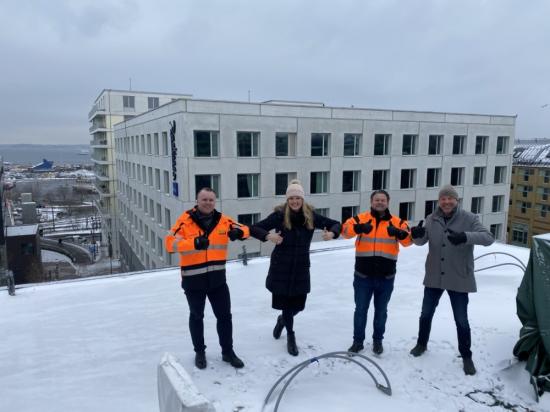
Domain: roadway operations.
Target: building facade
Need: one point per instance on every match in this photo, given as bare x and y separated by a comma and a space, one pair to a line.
529, 211
109, 108
248, 152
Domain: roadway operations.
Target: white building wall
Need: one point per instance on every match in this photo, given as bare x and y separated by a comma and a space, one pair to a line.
229, 117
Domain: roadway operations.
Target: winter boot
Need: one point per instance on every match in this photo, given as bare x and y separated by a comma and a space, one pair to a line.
469, 368
418, 350
278, 329
377, 347
291, 344
232, 359
356, 347
200, 360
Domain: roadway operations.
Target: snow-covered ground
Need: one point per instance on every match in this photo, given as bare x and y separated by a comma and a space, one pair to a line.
94, 345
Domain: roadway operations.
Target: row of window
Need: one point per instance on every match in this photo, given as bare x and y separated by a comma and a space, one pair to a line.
129, 102
527, 172
206, 144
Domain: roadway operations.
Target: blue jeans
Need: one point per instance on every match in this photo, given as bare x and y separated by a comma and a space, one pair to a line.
364, 289
459, 303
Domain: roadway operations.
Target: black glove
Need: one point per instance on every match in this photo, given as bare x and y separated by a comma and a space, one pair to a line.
456, 238
418, 231
235, 234
395, 231
201, 242
364, 228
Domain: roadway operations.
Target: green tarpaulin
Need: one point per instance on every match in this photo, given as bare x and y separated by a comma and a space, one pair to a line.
533, 309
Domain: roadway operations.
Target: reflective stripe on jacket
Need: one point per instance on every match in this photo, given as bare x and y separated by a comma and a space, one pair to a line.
181, 239
377, 242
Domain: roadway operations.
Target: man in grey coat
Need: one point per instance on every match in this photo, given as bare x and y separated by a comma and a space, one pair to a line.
452, 234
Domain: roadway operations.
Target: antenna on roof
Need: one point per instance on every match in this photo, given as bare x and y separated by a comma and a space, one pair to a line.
130, 84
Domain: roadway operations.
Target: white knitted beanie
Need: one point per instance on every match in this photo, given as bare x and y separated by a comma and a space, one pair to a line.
295, 189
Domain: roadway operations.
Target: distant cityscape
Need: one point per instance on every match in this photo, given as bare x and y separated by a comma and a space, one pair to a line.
30, 154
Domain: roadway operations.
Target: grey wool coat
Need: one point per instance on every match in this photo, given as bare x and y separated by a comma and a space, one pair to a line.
448, 266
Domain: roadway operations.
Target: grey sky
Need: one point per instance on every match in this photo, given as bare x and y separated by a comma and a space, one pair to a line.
447, 55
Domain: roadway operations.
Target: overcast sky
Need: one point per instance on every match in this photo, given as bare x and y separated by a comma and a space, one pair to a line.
457, 56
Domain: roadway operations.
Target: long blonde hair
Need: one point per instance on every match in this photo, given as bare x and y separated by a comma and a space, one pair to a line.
307, 211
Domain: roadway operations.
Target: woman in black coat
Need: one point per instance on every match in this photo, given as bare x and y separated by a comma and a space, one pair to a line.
288, 278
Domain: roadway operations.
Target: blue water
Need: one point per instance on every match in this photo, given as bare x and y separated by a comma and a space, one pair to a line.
30, 154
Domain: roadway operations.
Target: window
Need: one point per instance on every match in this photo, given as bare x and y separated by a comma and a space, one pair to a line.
248, 219
382, 144
206, 143
159, 213
165, 144
149, 146
498, 201
349, 211
320, 144
527, 173
477, 205
152, 208
350, 180
500, 174
524, 189
247, 144
142, 144
546, 175
543, 209
352, 144
479, 176
247, 185
459, 144
523, 206
457, 176
156, 144
481, 144
323, 211
211, 181
430, 206
406, 210
145, 201
152, 103
285, 144
319, 182
167, 219
128, 102
150, 174
502, 144
166, 178
281, 182
520, 233
496, 230
432, 177
157, 179
407, 178
143, 174
380, 179
409, 144
435, 143
544, 192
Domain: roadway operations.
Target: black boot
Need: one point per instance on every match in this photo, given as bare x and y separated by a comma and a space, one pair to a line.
377, 347
356, 347
418, 350
278, 329
200, 360
469, 368
291, 344
232, 359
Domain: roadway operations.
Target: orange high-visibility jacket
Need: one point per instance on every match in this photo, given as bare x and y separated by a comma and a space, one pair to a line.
181, 240
377, 242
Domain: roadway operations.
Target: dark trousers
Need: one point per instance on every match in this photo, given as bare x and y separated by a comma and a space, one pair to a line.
459, 303
364, 289
221, 306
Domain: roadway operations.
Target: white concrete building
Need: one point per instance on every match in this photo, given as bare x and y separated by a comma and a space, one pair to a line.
109, 108
249, 151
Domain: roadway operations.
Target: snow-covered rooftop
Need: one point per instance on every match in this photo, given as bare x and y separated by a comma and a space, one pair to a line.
531, 155
94, 345
23, 230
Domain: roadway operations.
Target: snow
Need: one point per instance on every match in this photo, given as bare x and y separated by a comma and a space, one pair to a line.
22, 230
94, 345
50, 256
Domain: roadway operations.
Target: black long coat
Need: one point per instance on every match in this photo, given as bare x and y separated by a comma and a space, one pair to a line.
289, 268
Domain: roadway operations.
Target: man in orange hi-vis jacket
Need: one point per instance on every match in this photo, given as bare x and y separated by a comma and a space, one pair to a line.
376, 248
200, 236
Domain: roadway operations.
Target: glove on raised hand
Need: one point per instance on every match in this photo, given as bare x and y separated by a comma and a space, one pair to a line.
418, 231
235, 234
364, 228
201, 242
396, 232
456, 238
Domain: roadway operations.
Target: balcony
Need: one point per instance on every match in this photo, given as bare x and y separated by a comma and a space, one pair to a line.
95, 112
101, 160
99, 143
